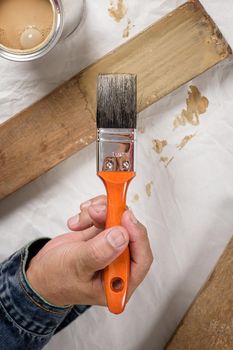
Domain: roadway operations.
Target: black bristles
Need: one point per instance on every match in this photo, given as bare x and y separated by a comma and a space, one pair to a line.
117, 101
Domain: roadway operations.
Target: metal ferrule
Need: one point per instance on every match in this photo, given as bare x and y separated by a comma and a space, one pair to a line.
116, 149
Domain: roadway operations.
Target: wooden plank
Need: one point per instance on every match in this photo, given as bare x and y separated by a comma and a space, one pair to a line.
209, 322
172, 51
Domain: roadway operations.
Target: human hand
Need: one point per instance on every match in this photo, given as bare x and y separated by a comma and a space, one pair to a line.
67, 270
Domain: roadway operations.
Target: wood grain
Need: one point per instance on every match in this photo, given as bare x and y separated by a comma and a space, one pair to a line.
172, 51
209, 322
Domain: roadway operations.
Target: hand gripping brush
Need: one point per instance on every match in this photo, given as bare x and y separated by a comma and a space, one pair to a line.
116, 135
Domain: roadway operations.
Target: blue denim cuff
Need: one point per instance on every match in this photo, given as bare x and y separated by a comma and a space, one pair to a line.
21, 304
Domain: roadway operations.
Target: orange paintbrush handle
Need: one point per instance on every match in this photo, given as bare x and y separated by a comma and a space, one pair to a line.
116, 275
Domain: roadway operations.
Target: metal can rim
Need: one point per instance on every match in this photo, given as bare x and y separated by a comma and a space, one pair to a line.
12, 55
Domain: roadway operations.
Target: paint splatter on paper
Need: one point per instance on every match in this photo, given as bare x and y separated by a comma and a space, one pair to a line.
141, 129
184, 141
158, 145
166, 160
148, 188
135, 198
117, 10
126, 31
196, 104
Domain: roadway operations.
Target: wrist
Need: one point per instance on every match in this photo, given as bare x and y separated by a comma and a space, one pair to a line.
34, 279
41, 284
30, 316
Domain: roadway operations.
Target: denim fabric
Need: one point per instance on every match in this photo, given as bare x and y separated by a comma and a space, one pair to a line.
27, 321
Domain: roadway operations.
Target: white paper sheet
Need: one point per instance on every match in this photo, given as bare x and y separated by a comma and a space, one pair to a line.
189, 214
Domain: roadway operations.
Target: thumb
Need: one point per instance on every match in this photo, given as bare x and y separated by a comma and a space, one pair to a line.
100, 251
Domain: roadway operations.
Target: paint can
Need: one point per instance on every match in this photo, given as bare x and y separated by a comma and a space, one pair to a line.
67, 15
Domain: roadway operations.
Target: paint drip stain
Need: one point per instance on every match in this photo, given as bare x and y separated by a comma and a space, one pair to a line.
126, 31
117, 10
196, 104
135, 198
184, 141
148, 188
166, 160
158, 145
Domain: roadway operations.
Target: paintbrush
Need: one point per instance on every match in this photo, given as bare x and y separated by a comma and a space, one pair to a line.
116, 135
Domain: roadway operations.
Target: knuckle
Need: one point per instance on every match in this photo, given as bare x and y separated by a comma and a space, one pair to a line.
100, 199
148, 262
150, 259
144, 232
143, 236
147, 266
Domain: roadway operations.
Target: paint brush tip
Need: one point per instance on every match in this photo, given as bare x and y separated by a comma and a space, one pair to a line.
116, 101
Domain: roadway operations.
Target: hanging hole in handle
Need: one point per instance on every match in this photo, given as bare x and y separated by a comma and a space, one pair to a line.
117, 284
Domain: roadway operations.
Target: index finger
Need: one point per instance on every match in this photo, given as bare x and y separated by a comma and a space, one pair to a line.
92, 213
98, 200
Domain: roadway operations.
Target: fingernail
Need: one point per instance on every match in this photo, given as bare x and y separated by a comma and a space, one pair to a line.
73, 221
85, 204
132, 217
116, 238
99, 208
